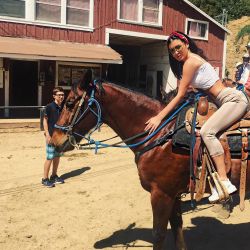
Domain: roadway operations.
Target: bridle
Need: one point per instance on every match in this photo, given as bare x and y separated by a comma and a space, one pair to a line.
92, 101
77, 117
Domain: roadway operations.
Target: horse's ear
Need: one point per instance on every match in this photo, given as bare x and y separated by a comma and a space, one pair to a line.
86, 80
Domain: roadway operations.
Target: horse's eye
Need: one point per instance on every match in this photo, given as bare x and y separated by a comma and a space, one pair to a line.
69, 104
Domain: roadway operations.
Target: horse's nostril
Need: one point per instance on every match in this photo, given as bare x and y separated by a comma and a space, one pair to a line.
66, 146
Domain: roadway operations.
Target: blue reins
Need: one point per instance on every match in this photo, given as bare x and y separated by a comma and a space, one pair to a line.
98, 114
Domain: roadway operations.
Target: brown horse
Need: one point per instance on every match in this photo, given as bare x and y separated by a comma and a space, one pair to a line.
163, 170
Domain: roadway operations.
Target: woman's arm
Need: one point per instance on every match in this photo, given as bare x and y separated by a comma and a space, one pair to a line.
189, 68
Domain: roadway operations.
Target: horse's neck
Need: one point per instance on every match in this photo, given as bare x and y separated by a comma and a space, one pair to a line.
126, 112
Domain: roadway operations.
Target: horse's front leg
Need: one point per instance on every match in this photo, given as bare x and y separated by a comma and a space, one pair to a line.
176, 225
162, 206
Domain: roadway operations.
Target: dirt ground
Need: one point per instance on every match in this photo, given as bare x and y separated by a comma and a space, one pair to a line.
100, 206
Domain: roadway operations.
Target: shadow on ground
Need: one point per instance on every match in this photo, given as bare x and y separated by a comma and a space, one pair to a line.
220, 209
74, 173
126, 238
206, 233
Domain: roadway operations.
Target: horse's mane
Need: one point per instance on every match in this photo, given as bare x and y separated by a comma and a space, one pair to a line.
166, 97
74, 86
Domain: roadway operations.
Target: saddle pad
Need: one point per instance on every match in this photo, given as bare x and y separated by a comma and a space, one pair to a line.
235, 145
181, 139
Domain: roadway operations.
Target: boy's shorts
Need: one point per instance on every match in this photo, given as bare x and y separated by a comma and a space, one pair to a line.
51, 152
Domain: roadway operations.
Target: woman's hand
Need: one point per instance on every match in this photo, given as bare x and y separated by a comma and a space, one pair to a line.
153, 123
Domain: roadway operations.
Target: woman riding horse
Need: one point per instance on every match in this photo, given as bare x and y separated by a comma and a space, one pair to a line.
189, 66
163, 171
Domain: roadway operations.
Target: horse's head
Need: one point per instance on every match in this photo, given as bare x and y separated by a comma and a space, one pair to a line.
79, 111
92, 102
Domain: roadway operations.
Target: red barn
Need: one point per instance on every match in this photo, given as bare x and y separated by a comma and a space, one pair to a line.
46, 43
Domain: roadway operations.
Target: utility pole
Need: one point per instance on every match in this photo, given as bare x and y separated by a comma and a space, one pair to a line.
222, 18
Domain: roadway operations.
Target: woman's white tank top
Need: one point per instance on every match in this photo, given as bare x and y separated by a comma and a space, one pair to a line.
205, 77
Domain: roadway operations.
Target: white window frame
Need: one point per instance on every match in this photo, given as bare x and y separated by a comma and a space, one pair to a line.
140, 15
75, 64
197, 21
30, 17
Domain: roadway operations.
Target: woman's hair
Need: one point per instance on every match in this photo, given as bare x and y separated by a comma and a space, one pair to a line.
177, 66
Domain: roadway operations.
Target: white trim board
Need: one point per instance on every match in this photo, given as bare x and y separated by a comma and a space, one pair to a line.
132, 34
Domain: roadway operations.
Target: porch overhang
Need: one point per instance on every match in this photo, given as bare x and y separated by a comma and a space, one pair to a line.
25, 48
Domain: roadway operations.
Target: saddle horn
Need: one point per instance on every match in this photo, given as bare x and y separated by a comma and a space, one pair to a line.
203, 105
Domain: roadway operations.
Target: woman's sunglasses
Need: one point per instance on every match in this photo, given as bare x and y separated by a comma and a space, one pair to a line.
177, 48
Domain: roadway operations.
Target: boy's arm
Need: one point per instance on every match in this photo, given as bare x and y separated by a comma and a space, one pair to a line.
45, 125
46, 129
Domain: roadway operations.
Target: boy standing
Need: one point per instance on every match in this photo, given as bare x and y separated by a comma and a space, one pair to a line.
51, 116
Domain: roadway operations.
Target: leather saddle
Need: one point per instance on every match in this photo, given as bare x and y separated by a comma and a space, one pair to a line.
204, 112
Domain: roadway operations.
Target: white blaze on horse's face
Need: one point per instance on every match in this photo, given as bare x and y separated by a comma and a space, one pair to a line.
68, 118
59, 139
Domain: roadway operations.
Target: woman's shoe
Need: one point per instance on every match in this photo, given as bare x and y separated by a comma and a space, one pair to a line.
214, 196
228, 186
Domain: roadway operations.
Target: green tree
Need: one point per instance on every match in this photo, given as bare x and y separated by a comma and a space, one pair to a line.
235, 8
245, 31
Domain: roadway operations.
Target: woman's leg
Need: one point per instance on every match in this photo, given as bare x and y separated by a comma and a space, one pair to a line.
219, 161
233, 106
225, 116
